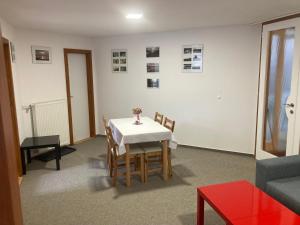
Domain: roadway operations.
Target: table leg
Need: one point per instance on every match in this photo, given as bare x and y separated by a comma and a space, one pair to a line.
142, 168
23, 161
58, 157
127, 162
165, 159
200, 210
28, 156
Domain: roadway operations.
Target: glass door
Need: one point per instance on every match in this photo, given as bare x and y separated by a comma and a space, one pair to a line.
279, 75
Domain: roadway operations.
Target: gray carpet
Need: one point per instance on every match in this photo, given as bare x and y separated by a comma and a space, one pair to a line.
81, 193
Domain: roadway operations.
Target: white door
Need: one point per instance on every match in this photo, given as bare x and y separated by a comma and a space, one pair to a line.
279, 104
79, 96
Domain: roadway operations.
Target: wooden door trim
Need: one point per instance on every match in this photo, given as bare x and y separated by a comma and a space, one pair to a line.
90, 86
10, 208
282, 19
7, 58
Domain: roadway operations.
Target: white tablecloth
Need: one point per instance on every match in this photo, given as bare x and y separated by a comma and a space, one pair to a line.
126, 132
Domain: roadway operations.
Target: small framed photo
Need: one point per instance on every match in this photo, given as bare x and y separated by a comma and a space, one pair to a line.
152, 83
41, 55
123, 69
152, 52
119, 60
116, 69
152, 67
123, 54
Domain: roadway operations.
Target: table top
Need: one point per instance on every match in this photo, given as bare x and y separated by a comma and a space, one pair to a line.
125, 131
242, 203
40, 142
127, 126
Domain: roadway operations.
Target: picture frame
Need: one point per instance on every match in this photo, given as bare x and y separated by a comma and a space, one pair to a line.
119, 60
192, 58
41, 55
152, 67
152, 83
152, 52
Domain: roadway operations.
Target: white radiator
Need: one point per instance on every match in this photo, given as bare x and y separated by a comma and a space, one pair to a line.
51, 118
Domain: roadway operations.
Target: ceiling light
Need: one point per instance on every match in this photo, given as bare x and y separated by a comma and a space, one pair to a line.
134, 16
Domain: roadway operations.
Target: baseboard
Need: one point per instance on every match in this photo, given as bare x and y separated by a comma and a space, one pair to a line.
217, 150
208, 149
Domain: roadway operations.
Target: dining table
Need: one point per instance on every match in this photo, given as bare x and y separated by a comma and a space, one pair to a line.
126, 131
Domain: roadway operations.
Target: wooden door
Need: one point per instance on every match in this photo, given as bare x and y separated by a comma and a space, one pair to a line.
10, 81
10, 202
279, 111
90, 91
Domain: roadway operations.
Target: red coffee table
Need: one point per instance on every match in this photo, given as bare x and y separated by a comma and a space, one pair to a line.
241, 203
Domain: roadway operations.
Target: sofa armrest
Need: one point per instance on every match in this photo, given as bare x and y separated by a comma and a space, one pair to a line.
276, 168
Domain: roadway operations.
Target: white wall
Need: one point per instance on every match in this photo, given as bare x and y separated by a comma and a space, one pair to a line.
8, 31
231, 61
44, 82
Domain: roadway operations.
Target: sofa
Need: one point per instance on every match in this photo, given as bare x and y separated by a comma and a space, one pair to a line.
280, 178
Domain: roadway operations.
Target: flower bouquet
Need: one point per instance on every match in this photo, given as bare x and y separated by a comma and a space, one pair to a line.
137, 111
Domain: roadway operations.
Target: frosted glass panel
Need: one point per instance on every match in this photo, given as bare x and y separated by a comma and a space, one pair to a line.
279, 75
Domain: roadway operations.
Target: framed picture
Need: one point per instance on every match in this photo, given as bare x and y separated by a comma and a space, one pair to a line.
152, 52
152, 83
119, 60
192, 58
12, 52
41, 54
152, 67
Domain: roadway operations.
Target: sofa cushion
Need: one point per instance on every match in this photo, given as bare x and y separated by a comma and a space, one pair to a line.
286, 191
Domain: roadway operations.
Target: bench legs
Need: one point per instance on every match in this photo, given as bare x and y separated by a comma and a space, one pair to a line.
58, 157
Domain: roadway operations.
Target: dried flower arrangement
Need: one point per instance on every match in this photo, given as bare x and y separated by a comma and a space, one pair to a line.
137, 111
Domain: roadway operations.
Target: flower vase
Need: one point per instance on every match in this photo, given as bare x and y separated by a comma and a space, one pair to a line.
137, 118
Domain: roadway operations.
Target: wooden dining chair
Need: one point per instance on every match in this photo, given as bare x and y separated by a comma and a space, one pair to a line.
170, 124
158, 117
108, 153
153, 153
118, 161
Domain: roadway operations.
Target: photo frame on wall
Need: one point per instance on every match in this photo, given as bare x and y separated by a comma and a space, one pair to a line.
152, 67
152, 52
41, 55
152, 83
119, 60
192, 58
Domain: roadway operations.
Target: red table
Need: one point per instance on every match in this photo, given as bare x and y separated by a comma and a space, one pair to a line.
241, 203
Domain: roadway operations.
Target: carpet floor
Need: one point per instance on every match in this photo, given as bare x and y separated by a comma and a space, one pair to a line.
81, 193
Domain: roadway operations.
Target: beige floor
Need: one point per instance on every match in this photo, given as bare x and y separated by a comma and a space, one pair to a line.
81, 193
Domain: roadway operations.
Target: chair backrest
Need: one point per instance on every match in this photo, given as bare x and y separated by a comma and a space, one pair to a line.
109, 137
170, 124
159, 117
104, 121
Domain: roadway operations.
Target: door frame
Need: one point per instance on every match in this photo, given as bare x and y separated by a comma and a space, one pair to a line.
90, 88
8, 64
263, 83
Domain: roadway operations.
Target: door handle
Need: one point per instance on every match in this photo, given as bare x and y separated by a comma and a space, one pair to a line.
290, 105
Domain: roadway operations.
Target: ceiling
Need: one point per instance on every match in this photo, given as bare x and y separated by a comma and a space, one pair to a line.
107, 17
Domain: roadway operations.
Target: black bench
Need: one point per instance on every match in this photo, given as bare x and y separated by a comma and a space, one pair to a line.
40, 142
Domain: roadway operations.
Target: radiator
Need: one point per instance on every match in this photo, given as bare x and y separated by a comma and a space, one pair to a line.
51, 118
